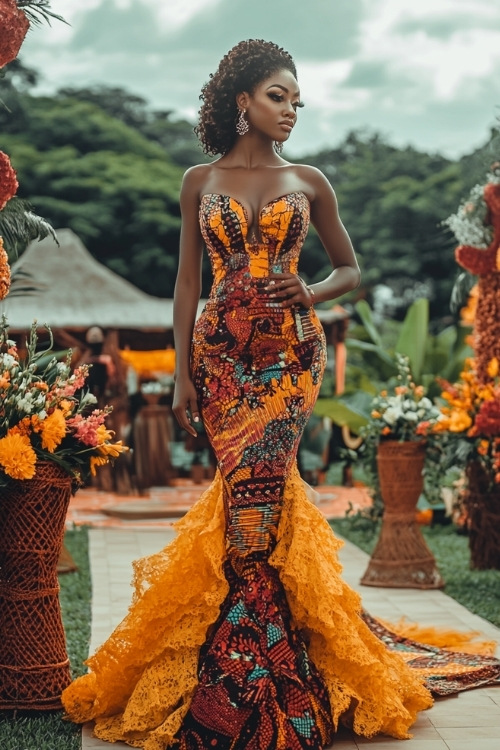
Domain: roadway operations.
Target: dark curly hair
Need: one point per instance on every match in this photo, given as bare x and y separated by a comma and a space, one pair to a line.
242, 69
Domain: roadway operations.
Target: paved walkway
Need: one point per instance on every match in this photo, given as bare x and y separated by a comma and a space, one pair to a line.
468, 721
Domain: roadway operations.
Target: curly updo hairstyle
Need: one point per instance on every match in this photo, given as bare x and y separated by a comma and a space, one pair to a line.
242, 69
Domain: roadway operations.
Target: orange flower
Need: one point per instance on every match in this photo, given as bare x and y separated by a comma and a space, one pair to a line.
482, 448
386, 431
376, 414
17, 457
4, 271
53, 430
492, 368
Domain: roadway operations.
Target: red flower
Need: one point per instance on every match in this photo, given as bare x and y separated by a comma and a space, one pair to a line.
487, 420
8, 180
13, 28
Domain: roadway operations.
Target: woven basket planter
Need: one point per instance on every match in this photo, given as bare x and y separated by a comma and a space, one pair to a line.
482, 503
401, 558
34, 665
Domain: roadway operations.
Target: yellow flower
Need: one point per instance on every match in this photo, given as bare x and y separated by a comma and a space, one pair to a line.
459, 421
103, 434
17, 457
53, 430
112, 449
66, 406
492, 368
97, 461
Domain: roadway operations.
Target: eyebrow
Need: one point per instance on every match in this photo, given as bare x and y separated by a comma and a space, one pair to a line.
283, 88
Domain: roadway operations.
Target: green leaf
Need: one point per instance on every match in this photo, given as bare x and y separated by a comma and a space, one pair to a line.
363, 309
412, 339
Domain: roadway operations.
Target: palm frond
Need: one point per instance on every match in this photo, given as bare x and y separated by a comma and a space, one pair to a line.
37, 11
19, 226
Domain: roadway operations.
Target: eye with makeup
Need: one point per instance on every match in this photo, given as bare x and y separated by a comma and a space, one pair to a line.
279, 98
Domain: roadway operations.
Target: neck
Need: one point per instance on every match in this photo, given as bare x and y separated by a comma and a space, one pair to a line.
251, 151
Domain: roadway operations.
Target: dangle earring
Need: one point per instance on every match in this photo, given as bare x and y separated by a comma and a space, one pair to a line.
242, 125
278, 146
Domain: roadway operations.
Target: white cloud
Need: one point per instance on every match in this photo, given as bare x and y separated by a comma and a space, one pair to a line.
442, 66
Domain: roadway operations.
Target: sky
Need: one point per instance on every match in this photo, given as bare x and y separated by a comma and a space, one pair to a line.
424, 73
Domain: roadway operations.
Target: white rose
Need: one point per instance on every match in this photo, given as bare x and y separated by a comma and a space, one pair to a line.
411, 416
392, 414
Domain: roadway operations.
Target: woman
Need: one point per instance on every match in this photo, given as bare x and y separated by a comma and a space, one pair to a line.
242, 633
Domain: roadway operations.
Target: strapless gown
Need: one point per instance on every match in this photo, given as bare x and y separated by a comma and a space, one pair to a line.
242, 633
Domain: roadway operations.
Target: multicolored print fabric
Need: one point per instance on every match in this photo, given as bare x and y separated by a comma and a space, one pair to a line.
257, 380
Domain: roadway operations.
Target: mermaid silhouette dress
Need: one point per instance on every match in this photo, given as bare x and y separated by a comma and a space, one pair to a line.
242, 633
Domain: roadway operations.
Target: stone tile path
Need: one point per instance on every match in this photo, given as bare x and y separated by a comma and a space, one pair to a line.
468, 721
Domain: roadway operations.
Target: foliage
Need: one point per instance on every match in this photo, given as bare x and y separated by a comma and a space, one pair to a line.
478, 591
44, 415
38, 10
101, 162
392, 202
19, 226
372, 360
47, 730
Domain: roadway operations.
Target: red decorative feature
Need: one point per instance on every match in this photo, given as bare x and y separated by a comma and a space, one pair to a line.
484, 263
14, 26
8, 180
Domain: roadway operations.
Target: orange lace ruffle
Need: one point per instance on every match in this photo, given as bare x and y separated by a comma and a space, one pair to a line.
142, 679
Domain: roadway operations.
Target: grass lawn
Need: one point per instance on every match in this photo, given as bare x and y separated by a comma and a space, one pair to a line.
46, 730
477, 590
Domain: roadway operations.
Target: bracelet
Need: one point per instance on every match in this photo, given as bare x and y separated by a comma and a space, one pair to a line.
309, 289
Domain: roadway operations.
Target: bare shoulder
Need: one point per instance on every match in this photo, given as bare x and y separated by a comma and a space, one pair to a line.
194, 178
315, 180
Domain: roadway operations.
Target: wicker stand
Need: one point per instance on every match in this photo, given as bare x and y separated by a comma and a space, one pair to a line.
401, 558
34, 665
482, 502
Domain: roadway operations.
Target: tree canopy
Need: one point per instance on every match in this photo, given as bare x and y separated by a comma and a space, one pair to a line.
100, 161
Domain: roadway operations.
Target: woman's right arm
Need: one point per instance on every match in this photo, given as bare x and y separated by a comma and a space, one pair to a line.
186, 297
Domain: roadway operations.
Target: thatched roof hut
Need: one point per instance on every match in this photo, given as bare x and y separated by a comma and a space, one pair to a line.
66, 287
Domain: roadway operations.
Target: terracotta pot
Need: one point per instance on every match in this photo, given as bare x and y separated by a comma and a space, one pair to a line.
401, 558
34, 664
482, 503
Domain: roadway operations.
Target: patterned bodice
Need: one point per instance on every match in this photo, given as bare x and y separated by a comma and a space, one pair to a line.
241, 255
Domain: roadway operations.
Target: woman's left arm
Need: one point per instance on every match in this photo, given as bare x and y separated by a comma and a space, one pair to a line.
288, 288
335, 239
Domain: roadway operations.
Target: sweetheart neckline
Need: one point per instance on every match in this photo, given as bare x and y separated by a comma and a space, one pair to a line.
244, 208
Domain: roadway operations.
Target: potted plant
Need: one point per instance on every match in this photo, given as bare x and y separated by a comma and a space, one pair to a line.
51, 440
394, 439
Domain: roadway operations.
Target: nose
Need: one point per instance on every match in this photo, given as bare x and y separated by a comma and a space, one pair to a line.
289, 111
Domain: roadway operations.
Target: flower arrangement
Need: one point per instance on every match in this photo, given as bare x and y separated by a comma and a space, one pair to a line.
46, 414
470, 224
470, 419
402, 413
